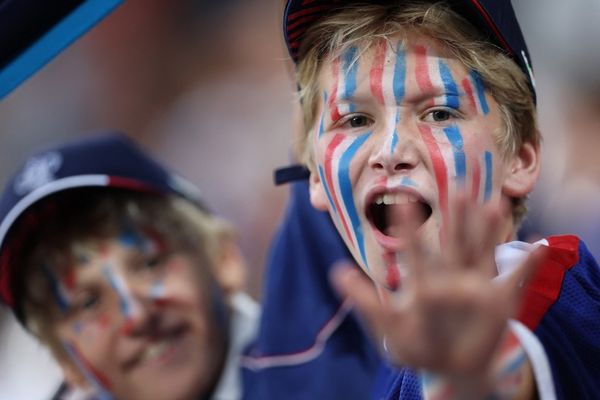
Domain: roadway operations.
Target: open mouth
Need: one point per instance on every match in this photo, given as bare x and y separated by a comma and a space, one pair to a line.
158, 348
390, 213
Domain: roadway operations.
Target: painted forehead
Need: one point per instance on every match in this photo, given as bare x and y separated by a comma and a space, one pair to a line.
362, 62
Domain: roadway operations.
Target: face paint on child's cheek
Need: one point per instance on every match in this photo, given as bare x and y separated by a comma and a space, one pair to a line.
58, 289
439, 168
487, 194
126, 303
456, 142
475, 185
97, 380
340, 154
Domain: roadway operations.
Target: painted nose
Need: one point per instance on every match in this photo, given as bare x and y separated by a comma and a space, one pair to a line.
394, 155
137, 311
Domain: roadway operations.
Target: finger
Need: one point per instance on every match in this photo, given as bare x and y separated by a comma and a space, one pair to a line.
351, 284
456, 233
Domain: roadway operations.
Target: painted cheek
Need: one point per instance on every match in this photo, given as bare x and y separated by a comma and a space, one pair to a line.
346, 191
489, 173
127, 306
440, 171
93, 376
58, 289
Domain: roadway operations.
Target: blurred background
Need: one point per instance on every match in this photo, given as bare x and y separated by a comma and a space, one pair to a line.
204, 86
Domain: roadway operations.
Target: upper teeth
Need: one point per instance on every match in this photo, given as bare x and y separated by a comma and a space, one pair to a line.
155, 350
395, 198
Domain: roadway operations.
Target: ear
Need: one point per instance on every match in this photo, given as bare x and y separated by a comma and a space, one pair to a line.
230, 271
523, 171
318, 196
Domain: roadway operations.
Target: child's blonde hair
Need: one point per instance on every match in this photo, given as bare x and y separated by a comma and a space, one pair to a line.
361, 25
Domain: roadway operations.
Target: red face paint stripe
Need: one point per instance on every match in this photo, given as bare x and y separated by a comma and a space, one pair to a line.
103, 380
469, 91
337, 139
422, 69
476, 180
377, 71
439, 168
422, 72
333, 110
69, 279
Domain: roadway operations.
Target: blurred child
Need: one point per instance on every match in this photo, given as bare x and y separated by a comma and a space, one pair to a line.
422, 143
116, 265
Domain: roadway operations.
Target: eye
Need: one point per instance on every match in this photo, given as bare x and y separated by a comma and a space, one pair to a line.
87, 301
153, 261
440, 115
356, 121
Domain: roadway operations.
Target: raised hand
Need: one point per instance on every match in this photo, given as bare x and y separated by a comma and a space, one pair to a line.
449, 316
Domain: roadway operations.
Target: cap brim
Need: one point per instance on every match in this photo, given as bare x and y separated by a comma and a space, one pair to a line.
71, 182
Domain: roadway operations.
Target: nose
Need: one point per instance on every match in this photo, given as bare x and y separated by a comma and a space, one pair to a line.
394, 153
139, 313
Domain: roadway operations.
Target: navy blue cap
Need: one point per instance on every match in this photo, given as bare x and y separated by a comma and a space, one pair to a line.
104, 160
33, 32
495, 18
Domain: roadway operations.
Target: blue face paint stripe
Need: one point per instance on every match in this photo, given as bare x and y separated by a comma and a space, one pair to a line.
56, 289
324, 184
350, 73
406, 181
322, 123
130, 239
123, 303
488, 176
395, 134
346, 190
456, 140
480, 89
449, 85
400, 75
99, 391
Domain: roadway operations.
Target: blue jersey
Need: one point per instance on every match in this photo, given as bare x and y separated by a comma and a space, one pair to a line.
309, 346
561, 312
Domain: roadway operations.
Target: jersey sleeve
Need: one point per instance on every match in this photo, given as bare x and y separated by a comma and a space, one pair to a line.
562, 308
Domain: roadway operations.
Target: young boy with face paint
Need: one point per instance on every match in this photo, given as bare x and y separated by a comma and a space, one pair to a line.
115, 264
422, 143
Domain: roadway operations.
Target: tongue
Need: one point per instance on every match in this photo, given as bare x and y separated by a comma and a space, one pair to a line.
404, 218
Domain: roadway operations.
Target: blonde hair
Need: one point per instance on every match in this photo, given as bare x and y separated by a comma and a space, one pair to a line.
87, 216
361, 25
